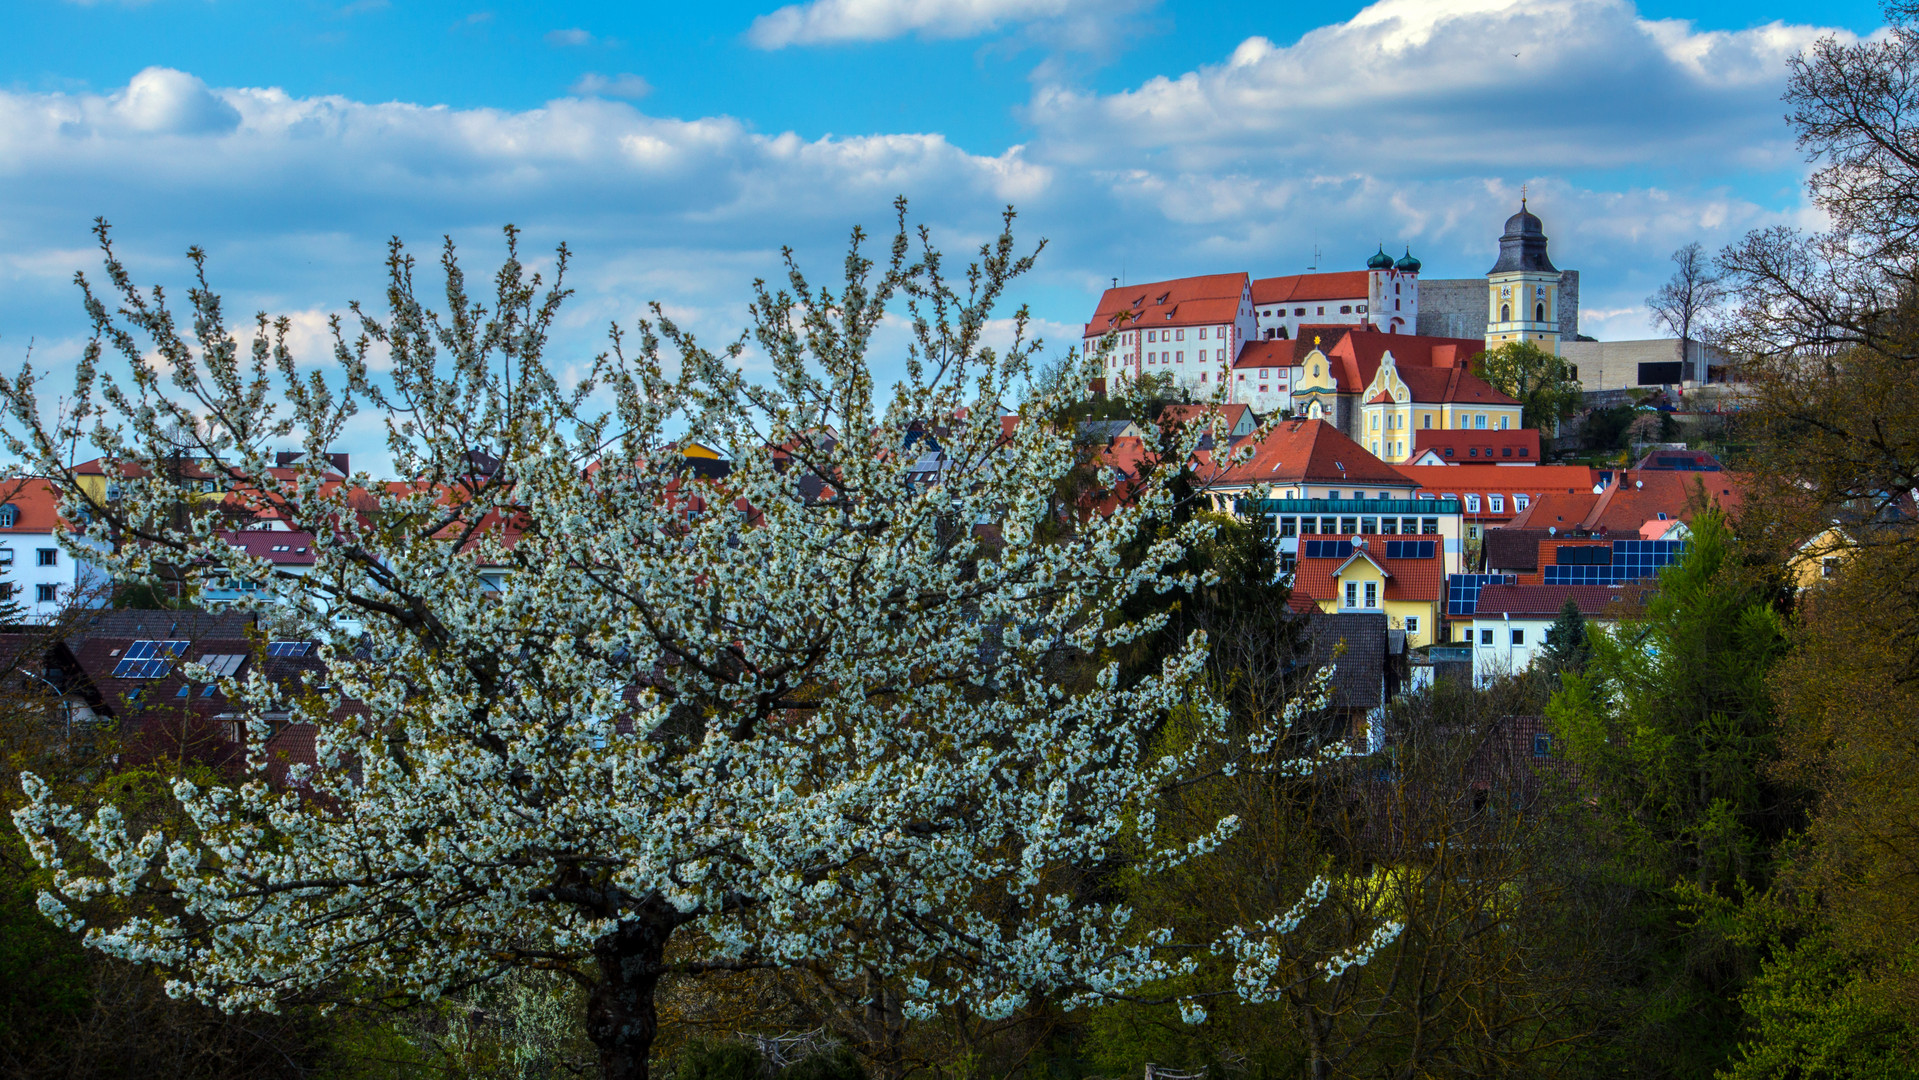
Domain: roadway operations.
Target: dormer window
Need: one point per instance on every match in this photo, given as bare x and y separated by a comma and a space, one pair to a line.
9, 516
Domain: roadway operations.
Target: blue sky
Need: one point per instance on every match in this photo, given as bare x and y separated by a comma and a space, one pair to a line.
676, 147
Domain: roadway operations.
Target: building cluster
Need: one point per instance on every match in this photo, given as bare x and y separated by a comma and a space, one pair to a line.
1396, 482
1408, 505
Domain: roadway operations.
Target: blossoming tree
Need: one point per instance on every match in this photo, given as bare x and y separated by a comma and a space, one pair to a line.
610, 719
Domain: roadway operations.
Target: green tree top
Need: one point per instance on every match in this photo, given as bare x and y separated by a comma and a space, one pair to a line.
1542, 382
1566, 645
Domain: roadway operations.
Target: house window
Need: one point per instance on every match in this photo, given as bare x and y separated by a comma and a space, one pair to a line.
1506, 422
1219, 354
48, 557
1202, 333
1479, 421
1496, 503
1179, 335
1542, 745
1412, 625
1182, 356
1345, 309
1322, 309
1521, 502
1828, 567
1372, 594
1519, 636
9, 516
1202, 376
1539, 313
1352, 594
1429, 526
6, 556
1472, 503
1486, 637
46, 594
1262, 373
1505, 313
1299, 311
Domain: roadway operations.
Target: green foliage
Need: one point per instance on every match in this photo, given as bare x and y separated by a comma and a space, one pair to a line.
838, 1063
1672, 727
718, 1059
1812, 1015
1540, 381
1566, 646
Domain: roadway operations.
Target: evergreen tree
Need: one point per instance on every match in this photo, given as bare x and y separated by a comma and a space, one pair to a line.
1672, 729
1566, 647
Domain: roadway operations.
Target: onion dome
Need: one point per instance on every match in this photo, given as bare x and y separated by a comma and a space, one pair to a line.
1381, 261
1408, 264
1523, 247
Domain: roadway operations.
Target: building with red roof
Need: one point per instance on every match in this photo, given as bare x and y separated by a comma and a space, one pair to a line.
1404, 399
35, 571
1335, 370
1508, 628
1188, 328
1471, 446
1630, 499
1302, 459
1402, 577
1385, 296
1491, 496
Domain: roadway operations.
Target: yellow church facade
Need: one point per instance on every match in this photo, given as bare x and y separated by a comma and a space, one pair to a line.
1402, 401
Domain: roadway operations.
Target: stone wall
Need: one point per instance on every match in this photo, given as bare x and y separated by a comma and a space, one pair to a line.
1457, 307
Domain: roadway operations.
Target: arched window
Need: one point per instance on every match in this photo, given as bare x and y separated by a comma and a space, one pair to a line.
1539, 313
1505, 313
9, 517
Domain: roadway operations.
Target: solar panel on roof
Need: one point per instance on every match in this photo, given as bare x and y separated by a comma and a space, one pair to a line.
1410, 549
148, 659
1462, 590
289, 648
1326, 549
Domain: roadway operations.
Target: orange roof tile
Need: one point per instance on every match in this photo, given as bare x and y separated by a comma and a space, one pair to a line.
1312, 451
1212, 298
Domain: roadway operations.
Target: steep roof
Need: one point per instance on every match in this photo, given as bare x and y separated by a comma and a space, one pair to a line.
1305, 451
36, 505
1511, 550
1355, 354
1452, 384
1412, 580
1210, 298
1299, 288
280, 547
1359, 673
1271, 352
1632, 499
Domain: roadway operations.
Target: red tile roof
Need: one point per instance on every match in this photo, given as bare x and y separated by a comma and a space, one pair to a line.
1413, 580
1355, 353
1535, 483
1448, 384
284, 548
1544, 601
36, 505
1299, 288
1269, 352
1513, 444
1311, 451
1212, 298
1634, 498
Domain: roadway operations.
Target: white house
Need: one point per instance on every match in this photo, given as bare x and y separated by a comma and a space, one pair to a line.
1509, 622
35, 570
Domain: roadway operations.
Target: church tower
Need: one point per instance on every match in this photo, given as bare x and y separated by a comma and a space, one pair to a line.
1523, 287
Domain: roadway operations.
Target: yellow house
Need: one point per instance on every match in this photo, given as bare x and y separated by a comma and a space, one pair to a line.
1402, 400
1402, 577
1819, 558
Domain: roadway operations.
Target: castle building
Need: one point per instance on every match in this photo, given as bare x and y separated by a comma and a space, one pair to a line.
1191, 329
1523, 287
1385, 296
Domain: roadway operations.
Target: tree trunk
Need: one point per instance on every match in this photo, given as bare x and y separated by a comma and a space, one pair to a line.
620, 1015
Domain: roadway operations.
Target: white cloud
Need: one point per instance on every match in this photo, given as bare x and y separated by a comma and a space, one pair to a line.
594, 84
570, 37
1403, 125
821, 22
1407, 87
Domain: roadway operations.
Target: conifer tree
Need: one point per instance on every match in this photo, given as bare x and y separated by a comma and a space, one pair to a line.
1566, 646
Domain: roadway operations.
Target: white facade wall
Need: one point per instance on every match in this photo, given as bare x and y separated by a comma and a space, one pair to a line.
1197, 355
1267, 391
1390, 295
45, 577
1502, 656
